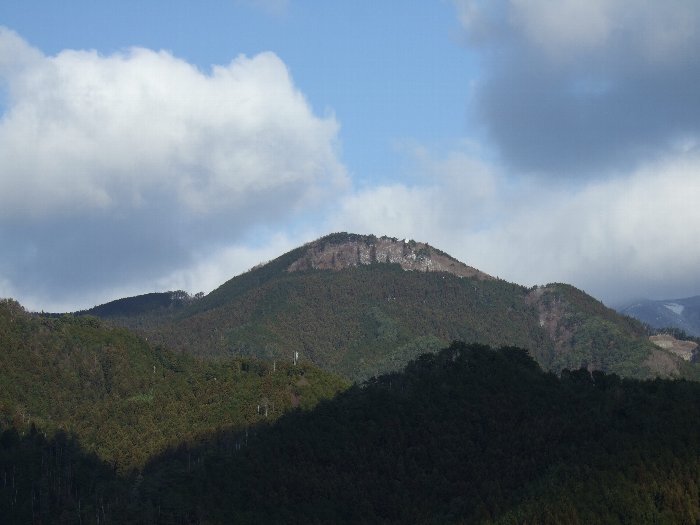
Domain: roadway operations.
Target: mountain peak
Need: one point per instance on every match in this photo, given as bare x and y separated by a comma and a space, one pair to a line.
339, 251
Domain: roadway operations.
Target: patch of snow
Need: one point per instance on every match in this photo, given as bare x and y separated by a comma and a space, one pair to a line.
675, 308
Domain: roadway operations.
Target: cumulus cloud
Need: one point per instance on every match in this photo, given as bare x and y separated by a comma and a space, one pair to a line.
110, 131
582, 86
134, 163
627, 237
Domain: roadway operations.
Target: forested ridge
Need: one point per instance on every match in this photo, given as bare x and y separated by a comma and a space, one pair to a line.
467, 435
370, 319
471, 435
358, 322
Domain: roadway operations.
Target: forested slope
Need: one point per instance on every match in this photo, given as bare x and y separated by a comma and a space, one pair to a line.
127, 400
348, 303
469, 435
361, 321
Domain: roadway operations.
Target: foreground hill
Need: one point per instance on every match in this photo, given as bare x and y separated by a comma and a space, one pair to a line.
683, 314
127, 400
469, 435
361, 305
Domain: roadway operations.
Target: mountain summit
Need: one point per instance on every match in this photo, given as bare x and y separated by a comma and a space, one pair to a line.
340, 251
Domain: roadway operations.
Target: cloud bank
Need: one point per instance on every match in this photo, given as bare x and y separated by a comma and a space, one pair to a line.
137, 162
576, 87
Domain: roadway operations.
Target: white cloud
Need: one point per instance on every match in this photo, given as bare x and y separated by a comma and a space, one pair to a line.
566, 26
116, 131
592, 100
453, 195
630, 236
123, 168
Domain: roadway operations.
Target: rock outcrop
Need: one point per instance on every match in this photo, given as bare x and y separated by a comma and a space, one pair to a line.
683, 349
341, 251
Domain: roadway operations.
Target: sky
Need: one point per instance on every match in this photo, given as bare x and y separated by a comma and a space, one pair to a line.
160, 145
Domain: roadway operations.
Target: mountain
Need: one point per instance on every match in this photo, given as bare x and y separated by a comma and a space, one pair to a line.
102, 424
683, 314
362, 305
126, 399
468, 435
151, 303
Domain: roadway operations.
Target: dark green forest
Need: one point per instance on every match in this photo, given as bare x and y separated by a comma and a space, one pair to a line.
467, 435
470, 435
358, 322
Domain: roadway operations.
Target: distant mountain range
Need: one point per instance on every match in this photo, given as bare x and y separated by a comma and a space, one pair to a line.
683, 314
361, 305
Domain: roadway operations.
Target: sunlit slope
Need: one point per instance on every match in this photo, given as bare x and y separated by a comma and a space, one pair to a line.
126, 399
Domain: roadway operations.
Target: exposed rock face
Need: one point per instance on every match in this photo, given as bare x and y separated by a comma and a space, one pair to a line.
340, 251
552, 311
683, 349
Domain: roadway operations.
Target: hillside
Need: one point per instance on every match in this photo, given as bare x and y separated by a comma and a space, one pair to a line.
152, 304
683, 314
126, 399
468, 435
362, 305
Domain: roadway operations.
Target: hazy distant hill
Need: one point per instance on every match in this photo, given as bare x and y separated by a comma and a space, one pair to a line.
362, 305
683, 314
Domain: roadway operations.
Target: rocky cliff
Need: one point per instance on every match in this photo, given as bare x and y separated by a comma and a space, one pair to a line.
341, 251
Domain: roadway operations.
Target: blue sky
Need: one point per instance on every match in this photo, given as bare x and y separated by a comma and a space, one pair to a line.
149, 146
